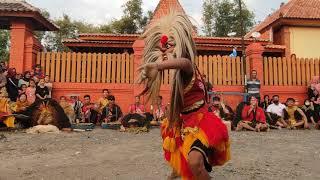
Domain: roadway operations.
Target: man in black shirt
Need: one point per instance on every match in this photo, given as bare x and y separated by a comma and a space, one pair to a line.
112, 112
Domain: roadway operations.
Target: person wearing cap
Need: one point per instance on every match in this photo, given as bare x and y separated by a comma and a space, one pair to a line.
112, 112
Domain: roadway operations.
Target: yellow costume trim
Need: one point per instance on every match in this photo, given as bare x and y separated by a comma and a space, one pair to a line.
195, 105
9, 122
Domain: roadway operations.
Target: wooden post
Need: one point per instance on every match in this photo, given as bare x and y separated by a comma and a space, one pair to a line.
138, 47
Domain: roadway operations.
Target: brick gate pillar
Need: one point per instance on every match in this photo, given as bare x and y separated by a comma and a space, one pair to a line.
254, 53
24, 46
138, 47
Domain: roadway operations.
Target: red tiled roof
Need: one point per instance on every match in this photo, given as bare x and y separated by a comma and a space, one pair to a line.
294, 9
229, 38
21, 9
107, 35
96, 42
17, 6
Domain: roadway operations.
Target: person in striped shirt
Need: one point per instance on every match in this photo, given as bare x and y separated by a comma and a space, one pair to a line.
253, 85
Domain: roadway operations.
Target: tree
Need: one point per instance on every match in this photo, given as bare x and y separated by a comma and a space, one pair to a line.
222, 17
133, 21
4, 45
208, 17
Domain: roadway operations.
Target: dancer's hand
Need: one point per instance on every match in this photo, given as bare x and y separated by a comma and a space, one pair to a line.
150, 70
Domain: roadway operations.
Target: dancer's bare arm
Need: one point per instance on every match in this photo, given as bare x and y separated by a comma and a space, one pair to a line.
181, 63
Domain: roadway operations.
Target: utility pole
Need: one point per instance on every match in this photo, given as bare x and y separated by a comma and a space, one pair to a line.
242, 42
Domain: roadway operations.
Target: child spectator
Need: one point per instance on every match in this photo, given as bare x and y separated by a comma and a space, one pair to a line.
23, 89
294, 116
112, 112
31, 92
67, 108
25, 80
42, 92
266, 102
37, 71
48, 84
77, 108
12, 85
253, 117
22, 103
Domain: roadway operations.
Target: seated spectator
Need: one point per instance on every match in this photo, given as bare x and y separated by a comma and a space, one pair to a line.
12, 85
18, 77
48, 84
37, 72
22, 103
221, 110
42, 92
31, 91
253, 117
266, 102
136, 116
5, 120
275, 113
159, 111
3, 82
294, 116
77, 108
67, 108
112, 112
308, 110
25, 80
103, 101
89, 110
23, 89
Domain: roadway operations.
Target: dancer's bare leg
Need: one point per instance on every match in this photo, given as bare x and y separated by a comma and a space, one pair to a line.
196, 164
173, 175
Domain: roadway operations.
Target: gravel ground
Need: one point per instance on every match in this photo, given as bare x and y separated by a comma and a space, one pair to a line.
109, 154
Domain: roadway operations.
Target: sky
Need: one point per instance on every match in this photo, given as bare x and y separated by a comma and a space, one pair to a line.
103, 11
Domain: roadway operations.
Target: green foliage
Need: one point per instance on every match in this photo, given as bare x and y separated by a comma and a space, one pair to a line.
4, 45
223, 16
133, 21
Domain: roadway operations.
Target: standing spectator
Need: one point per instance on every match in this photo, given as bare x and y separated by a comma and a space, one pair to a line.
253, 86
48, 84
275, 113
112, 112
313, 94
294, 116
103, 101
3, 82
12, 85
25, 80
266, 102
31, 91
23, 89
234, 52
89, 110
3, 65
253, 117
42, 92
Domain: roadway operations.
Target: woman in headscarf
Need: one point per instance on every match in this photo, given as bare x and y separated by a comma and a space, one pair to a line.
25, 80
194, 140
12, 85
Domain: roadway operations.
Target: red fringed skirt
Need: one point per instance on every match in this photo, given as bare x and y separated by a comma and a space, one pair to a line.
200, 126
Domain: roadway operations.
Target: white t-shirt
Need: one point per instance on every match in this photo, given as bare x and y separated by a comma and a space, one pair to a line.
276, 109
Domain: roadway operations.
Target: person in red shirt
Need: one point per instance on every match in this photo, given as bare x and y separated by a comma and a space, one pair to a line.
253, 117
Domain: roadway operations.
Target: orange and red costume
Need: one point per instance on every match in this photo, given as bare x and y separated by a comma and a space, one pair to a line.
197, 124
